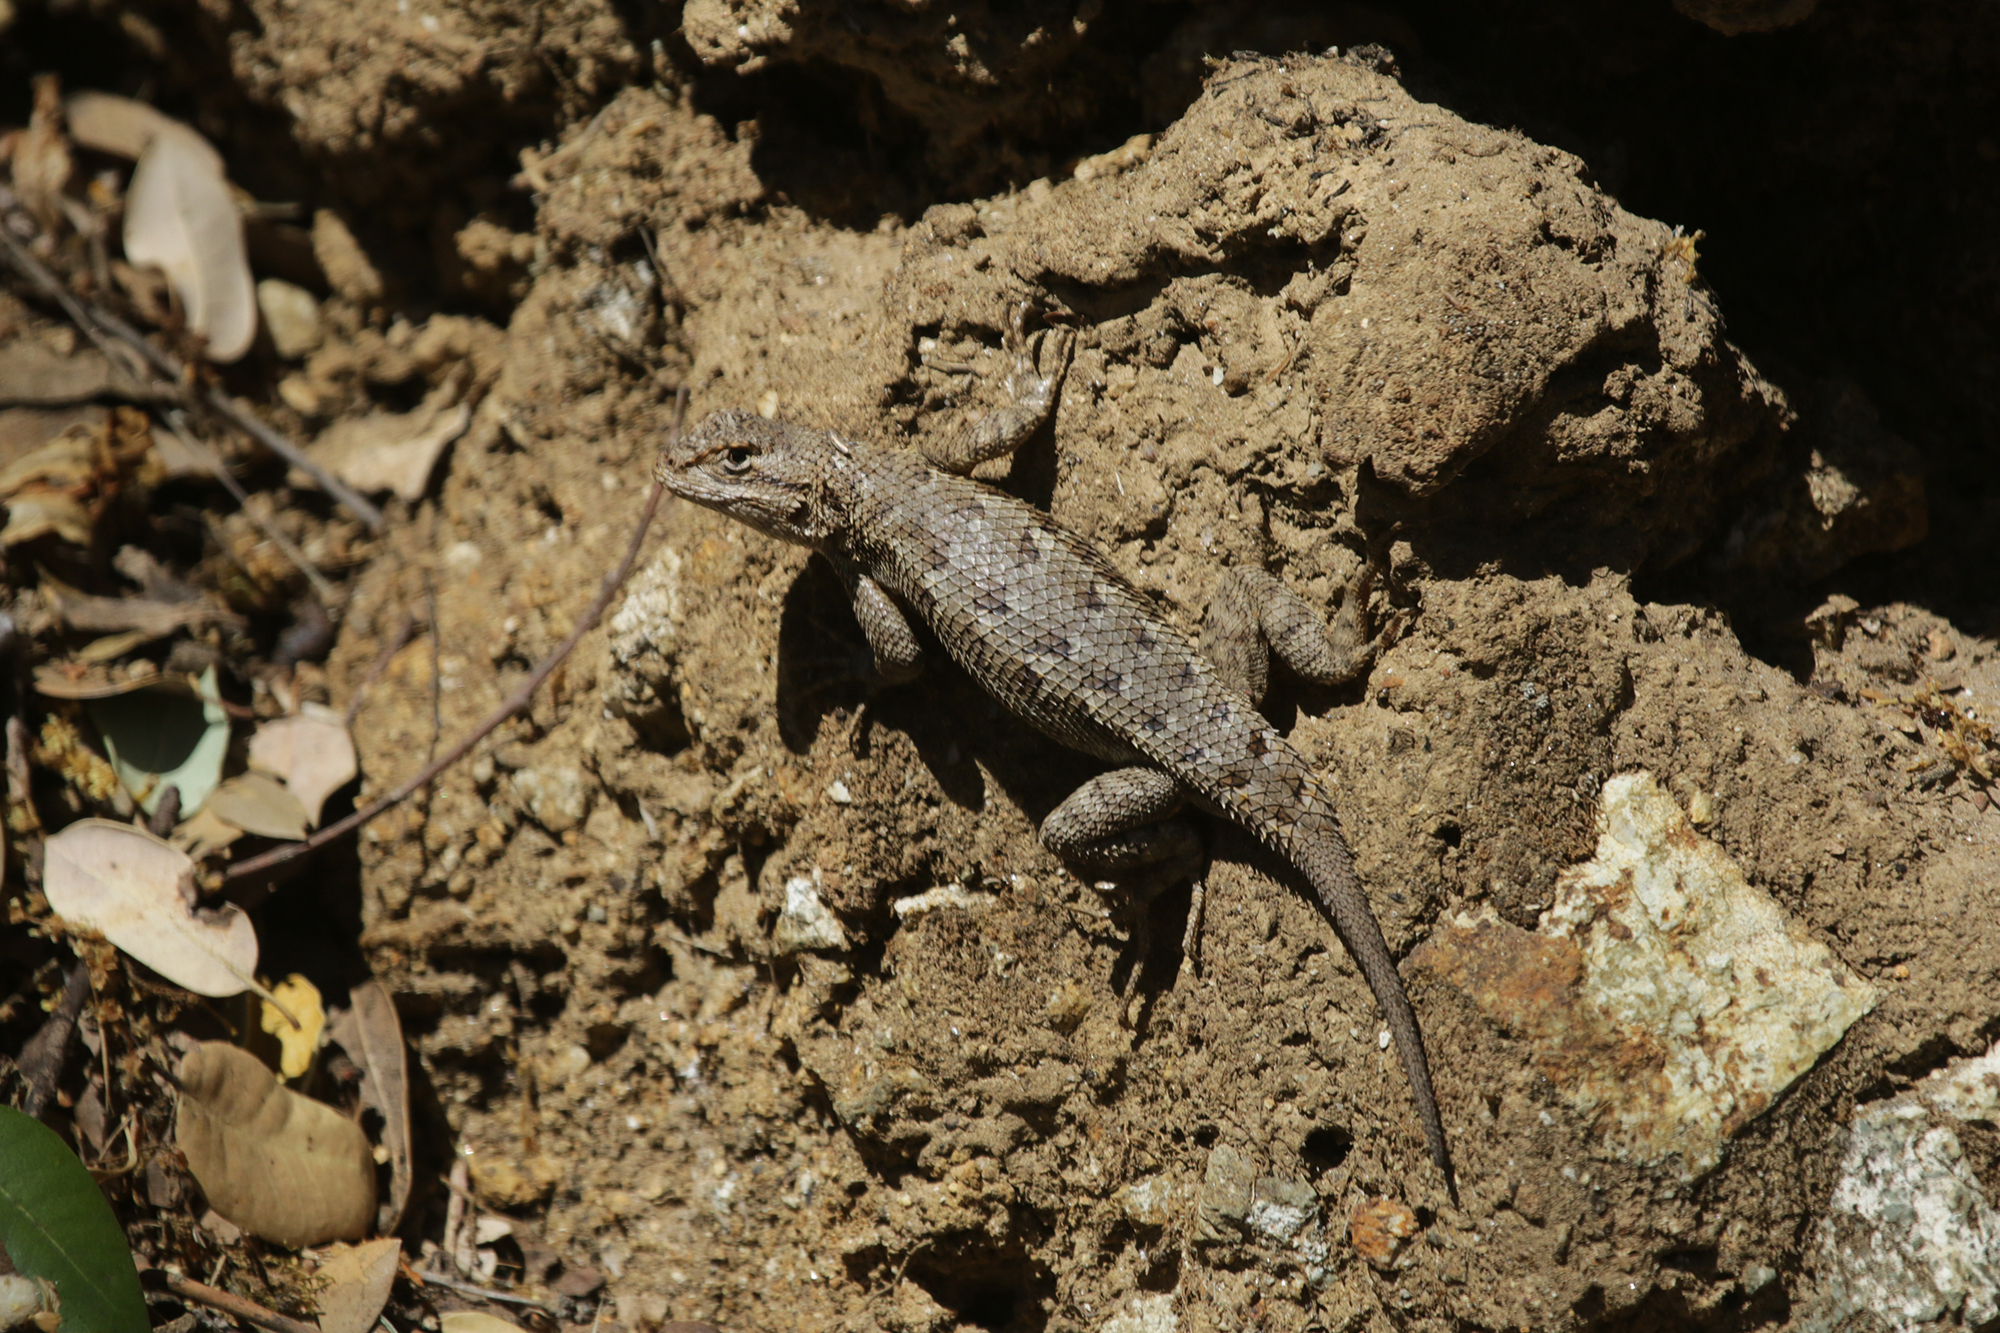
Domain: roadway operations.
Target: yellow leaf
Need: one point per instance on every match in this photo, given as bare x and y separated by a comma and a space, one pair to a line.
299, 998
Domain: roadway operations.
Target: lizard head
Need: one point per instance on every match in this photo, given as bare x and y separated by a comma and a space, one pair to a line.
768, 474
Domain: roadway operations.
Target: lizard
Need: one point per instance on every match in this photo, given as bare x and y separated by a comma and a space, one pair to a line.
1043, 622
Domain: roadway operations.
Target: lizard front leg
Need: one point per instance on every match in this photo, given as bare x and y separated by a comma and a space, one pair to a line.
899, 656
1253, 615
1031, 396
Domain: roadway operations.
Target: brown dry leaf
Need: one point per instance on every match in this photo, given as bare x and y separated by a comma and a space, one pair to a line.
113, 124
358, 1279
258, 803
33, 374
204, 834
77, 680
294, 998
53, 489
312, 752
392, 451
134, 889
179, 216
142, 615
474, 1321
372, 1035
281, 1166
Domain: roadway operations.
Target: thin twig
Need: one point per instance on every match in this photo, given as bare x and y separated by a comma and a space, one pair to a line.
230, 1304
329, 596
513, 704
406, 629
483, 1293
173, 368
437, 675
96, 321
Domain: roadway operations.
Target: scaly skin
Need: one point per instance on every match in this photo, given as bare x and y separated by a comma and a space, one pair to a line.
1039, 618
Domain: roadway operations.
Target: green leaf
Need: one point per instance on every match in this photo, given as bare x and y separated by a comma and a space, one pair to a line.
55, 1224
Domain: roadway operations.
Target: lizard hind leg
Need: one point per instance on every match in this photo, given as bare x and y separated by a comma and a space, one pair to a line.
1253, 615
1121, 824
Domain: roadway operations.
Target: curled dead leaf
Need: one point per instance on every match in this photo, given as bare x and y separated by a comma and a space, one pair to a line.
135, 890
312, 752
372, 1035
474, 1321
258, 803
180, 217
280, 1166
358, 1279
121, 126
392, 451
293, 1015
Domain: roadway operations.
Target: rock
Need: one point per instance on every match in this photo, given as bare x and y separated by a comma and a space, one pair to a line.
291, 315
806, 924
1909, 1235
556, 797
1379, 1228
1665, 996
1143, 1312
501, 1183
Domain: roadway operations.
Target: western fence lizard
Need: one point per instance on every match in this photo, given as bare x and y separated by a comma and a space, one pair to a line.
1041, 620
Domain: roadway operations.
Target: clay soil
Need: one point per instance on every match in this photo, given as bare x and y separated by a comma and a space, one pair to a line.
1720, 507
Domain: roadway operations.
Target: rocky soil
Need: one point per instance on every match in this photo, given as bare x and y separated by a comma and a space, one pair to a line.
1656, 367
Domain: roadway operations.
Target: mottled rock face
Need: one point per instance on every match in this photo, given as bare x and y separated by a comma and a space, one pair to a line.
1665, 997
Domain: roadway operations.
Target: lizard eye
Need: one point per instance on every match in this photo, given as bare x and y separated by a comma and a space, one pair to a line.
737, 460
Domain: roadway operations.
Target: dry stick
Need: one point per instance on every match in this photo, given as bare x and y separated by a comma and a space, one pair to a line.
483, 1293
514, 703
406, 629
215, 1298
95, 322
329, 595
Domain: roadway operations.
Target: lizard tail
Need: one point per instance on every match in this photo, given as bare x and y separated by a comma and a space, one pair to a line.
1330, 869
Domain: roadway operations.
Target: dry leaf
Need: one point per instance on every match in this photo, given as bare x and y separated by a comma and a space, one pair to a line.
203, 834
391, 451
33, 374
294, 998
474, 1321
75, 680
281, 1166
312, 752
358, 1278
372, 1035
179, 216
143, 615
113, 124
134, 890
258, 803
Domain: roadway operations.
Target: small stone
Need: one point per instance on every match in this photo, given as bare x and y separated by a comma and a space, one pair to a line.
555, 797
500, 1183
806, 924
579, 1282
1939, 645
1148, 1202
291, 316
1379, 1228
837, 792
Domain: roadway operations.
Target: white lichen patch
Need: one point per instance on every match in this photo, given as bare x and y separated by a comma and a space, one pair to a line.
1713, 999
1909, 1235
